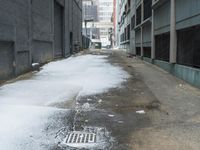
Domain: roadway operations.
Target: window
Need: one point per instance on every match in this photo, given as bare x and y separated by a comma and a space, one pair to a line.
138, 15
147, 52
188, 47
133, 22
147, 9
128, 32
162, 46
138, 51
129, 4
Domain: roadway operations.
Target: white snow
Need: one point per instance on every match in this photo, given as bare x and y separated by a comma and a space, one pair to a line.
23, 127
25, 105
140, 112
111, 115
63, 80
35, 64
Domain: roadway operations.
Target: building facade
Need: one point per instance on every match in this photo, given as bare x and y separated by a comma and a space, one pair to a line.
105, 10
90, 12
34, 31
125, 10
165, 33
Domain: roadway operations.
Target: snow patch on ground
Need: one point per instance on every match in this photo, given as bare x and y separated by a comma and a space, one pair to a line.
25, 111
63, 80
23, 127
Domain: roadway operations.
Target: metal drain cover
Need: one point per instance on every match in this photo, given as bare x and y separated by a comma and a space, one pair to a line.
78, 137
88, 138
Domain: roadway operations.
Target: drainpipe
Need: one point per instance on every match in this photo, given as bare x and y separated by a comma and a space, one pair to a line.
173, 34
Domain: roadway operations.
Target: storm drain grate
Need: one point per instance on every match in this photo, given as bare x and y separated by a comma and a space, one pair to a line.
80, 138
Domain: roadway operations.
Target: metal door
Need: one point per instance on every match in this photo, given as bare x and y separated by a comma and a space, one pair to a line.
58, 30
6, 60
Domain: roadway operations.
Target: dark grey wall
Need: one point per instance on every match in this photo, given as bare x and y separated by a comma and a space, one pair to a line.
42, 30
27, 33
14, 28
6, 59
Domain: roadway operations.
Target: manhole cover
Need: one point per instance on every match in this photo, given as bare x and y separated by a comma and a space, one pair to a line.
77, 137
89, 138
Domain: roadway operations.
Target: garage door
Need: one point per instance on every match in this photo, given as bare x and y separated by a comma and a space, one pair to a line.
58, 29
6, 60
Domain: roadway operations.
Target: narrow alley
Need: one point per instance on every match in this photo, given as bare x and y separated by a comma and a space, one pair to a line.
99, 75
118, 105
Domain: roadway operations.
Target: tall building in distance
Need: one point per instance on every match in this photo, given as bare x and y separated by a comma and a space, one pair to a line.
97, 20
90, 12
105, 9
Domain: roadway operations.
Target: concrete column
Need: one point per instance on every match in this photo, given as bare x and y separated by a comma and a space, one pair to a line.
52, 28
142, 19
142, 10
173, 34
134, 30
30, 35
142, 51
152, 37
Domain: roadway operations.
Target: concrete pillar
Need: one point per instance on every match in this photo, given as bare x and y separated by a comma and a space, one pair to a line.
173, 34
141, 44
142, 19
142, 10
52, 28
152, 37
135, 26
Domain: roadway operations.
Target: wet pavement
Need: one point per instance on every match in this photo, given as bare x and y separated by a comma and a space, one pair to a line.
138, 116
113, 112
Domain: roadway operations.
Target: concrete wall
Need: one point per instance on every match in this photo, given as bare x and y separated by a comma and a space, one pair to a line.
42, 30
132, 34
14, 28
27, 33
189, 74
187, 13
126, 21
147, 35
138, 38
162, 18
